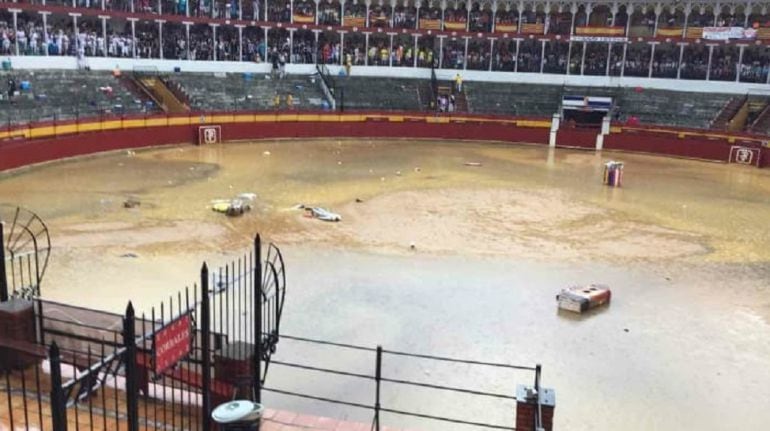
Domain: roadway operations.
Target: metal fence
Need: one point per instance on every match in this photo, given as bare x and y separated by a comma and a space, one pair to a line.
99, 370
378, 356
95, 370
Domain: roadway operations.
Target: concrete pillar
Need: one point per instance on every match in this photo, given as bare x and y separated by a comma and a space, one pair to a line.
605, 131
555, 121
679, 65
740, 62
711, 56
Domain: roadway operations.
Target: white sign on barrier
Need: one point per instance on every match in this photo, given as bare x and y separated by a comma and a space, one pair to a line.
744, 155
209, 135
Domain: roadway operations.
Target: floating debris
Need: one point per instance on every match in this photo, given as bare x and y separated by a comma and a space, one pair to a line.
131, 203
582, 298
473, 164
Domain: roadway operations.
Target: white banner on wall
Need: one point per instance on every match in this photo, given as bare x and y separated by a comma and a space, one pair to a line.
726, 33
611, 39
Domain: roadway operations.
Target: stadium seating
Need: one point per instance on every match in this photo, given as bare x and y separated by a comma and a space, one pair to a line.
63, 95
513, 99
206, 91
379, 93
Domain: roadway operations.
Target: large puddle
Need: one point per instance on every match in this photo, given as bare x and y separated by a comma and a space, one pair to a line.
685, 246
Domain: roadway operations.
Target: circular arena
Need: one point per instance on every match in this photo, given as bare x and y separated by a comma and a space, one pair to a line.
424, 178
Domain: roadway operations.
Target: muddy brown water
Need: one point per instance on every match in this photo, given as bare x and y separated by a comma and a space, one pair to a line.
685, 246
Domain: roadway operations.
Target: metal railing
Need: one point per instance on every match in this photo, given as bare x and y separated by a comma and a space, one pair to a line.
378, 378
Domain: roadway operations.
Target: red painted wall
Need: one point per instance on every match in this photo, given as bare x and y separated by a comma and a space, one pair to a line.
581, 138
698, 148
14, 154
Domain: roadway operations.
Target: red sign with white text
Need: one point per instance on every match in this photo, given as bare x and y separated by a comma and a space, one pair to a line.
172, 343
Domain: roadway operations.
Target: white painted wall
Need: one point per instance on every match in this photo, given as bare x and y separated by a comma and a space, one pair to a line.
126, 64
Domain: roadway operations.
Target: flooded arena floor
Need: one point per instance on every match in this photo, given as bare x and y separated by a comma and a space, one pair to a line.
685, 246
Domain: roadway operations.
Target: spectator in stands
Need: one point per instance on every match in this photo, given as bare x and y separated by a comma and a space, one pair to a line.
459, 83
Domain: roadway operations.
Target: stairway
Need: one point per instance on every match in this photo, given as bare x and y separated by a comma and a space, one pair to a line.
461, 102
762, 123
724, 118
161, 94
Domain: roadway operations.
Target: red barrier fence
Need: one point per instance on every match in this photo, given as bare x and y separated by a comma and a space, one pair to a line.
37, 143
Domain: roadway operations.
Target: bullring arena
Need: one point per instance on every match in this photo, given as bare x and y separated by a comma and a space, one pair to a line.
465, 164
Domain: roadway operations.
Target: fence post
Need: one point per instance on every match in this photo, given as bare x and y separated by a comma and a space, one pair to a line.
257, 319
205, 323
539, 412
377, 379
58, 403
132, 378
3, 279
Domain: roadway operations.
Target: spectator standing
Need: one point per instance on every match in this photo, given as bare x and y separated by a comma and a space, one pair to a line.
459, 83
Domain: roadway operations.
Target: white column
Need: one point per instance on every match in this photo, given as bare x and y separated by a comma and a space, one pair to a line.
133, 36
494, 16
390, 56
45, 29
569, 56
465, 58
441, 52
609, 57
711, 56
521, 12
214, 40
187, 8
740, 62
414, 53
104, 33
652, 59
367, 15
316, 12
583, 58
366, 48
342, 48
291, 14
681, 56
629, 14
15, 13
686, 18
240, 9
132, 7
240, 42
417, 19
160, 38
266, 1
77, 32
491, 52
516, 63
342, 13
468, 5
554, 129
160, 8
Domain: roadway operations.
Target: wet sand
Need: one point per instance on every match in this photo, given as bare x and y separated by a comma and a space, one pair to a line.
685, 246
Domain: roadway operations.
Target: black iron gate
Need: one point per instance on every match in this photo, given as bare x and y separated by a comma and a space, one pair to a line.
104, 369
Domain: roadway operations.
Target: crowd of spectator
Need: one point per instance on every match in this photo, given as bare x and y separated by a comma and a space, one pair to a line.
61, 37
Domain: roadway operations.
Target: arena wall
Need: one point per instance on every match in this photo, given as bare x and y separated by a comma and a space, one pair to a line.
37, 143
